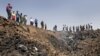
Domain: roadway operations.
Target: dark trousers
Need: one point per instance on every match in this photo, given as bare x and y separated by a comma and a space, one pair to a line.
17, 19
9, 14
36, 25
31, 23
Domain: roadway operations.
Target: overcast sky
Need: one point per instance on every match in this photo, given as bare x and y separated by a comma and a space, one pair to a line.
59, 12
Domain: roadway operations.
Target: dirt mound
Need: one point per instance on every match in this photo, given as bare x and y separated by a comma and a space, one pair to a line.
25, 40
22, 40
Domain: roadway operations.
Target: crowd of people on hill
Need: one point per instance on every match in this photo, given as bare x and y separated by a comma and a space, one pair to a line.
22, 19
77, 28
73, 29
34, 22
55, 28
15, 16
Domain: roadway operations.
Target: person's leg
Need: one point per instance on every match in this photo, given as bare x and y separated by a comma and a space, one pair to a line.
25, 22
7, 14
21, 22
41, 26
31, 23
10, 15
36, 25
17, 19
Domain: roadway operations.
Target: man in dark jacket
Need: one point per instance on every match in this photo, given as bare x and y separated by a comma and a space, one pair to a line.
8, 10
55, 28
45, 27
36, 23
21, 18
42, 24
24, 19
17, 16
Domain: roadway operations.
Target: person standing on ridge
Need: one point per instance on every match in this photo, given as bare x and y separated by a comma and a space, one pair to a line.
8, 10
88, 26
55, 28
70, 29
45, 27
64, 27
91, 27
25, 19
13, 16
36, 23
67, 28
42, 24
21, 18
73, 29
77, 28
31, 21
17, 16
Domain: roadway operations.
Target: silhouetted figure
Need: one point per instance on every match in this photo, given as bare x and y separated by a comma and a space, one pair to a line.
13, 17
8, 10
31, 21
91, 27
73, 29
17, 16
64, 27
67, 28
86, 27
36, 23
21, 18
42, 24
82, 28
70, 30
25, 19
45, 27
77, 28
55, 28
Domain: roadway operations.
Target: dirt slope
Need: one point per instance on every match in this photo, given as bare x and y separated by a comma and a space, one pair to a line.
12, 36
22, 40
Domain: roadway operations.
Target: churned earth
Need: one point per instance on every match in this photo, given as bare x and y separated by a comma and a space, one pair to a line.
26, 40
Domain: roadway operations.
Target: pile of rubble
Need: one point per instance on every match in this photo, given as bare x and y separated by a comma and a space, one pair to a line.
20, 47
83, 43
25, 40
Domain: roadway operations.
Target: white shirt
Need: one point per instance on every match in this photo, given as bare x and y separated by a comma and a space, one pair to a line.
31, 20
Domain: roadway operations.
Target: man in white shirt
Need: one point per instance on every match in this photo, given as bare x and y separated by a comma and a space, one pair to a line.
31, 21
25, 19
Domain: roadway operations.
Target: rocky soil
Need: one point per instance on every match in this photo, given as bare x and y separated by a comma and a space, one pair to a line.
25, 40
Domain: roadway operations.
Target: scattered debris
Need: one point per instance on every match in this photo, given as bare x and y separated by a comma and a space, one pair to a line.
21, 40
